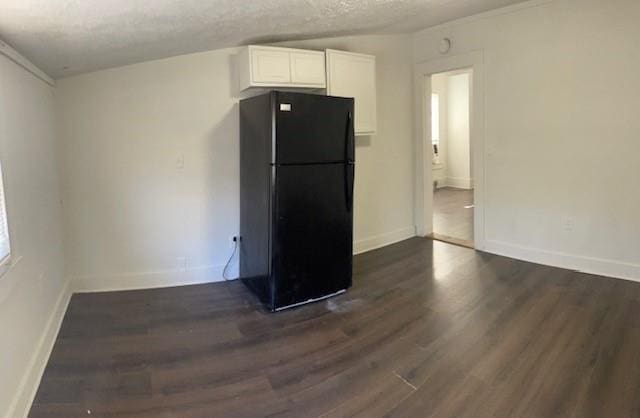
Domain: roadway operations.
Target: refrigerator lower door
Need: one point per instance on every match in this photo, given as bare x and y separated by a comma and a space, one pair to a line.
313, 235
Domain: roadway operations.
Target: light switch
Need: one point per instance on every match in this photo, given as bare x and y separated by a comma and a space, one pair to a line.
180, 161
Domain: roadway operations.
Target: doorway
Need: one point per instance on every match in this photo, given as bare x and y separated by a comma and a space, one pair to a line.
459, 217
452, 172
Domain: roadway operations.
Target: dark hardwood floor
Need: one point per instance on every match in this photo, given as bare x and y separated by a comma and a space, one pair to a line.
428, 330
451, 219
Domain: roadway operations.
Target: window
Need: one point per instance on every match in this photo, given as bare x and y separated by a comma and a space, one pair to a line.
435, 118
5, 247
435, 125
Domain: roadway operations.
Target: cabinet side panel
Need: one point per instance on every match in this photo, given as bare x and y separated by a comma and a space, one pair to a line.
255, 181
243, 65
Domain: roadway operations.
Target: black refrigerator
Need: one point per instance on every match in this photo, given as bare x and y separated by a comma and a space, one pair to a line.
296, 197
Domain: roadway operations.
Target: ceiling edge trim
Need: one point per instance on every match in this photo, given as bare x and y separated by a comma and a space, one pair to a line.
20, 60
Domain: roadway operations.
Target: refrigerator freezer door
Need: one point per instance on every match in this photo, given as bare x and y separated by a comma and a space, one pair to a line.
313, 129
313, 233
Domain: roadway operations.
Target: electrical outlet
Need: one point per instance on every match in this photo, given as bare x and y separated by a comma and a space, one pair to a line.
232, 240
181, 263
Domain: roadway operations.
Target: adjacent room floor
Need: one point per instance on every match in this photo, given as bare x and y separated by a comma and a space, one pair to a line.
453, 214
428, 330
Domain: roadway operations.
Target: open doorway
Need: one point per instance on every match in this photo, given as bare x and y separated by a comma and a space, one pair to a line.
424, 190
452, 162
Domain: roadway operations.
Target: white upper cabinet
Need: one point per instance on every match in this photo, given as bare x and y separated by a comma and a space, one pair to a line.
266, 66
307, 67
342, 73
270, 65
354, 75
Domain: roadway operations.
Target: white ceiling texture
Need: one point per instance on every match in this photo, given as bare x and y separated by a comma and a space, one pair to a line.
65, 37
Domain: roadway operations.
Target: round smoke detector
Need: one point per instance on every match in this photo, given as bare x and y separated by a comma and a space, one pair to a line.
445, 45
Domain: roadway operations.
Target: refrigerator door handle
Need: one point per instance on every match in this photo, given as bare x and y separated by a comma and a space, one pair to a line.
349, 174
348, 142
349, 177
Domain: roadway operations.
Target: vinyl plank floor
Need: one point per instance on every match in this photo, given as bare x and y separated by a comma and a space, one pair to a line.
428, 329
452, 216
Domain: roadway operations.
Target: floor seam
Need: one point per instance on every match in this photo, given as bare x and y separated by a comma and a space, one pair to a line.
405, 381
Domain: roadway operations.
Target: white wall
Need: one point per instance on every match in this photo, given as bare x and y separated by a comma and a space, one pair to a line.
561, 114
33, 293
130, 213
457, 139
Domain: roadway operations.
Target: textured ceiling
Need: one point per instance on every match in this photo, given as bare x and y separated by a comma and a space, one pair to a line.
65, 37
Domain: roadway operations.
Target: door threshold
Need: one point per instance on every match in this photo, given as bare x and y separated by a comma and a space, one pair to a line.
452, 240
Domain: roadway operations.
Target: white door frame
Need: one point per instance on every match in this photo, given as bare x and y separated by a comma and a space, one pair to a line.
424, 152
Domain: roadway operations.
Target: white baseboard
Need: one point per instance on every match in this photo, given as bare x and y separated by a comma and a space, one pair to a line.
151, 279
459, 182
382, 240
28, 385
203, 274
591, 265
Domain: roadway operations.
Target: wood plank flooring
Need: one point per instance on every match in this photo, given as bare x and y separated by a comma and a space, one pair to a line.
451, 220
428, 330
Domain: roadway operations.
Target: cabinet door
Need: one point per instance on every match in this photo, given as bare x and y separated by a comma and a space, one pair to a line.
269, 65
308, 68
354, 75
